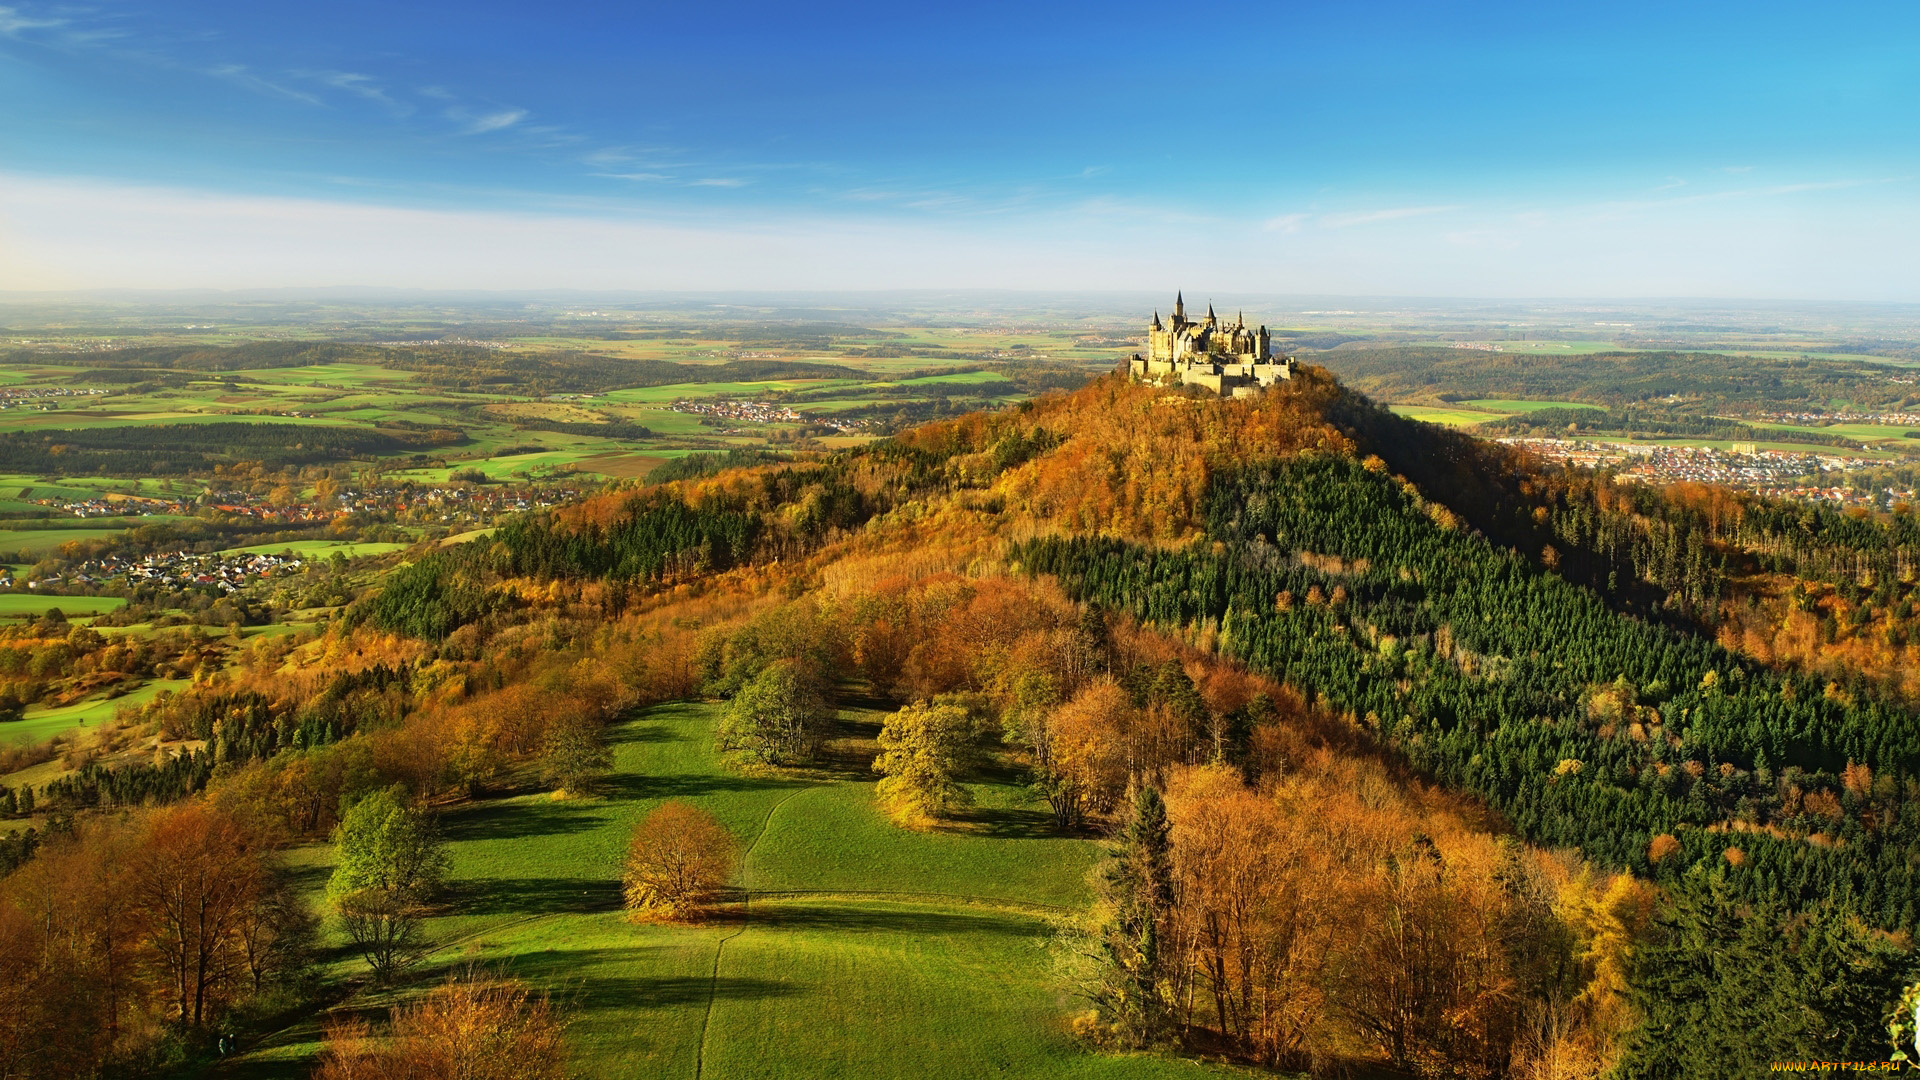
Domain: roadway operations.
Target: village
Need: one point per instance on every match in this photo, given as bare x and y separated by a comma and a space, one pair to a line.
753, 412
449, 502
20, 397
1772, 473
226, 571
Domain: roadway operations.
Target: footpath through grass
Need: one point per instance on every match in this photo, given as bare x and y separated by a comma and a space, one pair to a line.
862, 949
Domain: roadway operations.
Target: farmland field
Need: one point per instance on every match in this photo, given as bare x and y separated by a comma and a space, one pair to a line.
1450, 417
34, 605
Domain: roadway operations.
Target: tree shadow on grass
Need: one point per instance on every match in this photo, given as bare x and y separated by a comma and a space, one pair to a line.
641, 733
307, 878
1003, 823
533, 896
577, 975
499, 820
861, 920
687, 786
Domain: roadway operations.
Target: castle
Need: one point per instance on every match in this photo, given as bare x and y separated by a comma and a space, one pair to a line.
1228, 360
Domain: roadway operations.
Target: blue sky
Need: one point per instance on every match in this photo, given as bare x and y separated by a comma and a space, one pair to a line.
1374, 148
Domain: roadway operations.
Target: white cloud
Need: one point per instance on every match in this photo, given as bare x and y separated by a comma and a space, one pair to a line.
359, 85
493, 121
240, 76
13, 22
1285, 223
719, 181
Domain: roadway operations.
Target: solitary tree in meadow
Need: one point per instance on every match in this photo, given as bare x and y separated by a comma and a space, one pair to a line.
679, 859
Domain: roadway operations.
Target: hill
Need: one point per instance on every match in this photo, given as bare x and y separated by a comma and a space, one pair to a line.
1366, 712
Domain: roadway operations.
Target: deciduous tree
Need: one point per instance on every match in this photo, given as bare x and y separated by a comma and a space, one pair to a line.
680, 857
923, 747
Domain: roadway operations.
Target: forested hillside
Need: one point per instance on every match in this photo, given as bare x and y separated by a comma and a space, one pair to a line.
1406, 751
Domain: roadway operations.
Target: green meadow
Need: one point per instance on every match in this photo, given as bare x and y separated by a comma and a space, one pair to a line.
41, 541
1439, 415
321, 549
28, 605
1511, 405
855, 948
42, 724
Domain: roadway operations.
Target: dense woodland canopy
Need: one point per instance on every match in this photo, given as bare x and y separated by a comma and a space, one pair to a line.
1410, 750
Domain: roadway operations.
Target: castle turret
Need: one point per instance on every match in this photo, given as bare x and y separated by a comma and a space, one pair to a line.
1179, 308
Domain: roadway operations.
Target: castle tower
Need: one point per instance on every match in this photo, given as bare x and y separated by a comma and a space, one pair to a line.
1179, 308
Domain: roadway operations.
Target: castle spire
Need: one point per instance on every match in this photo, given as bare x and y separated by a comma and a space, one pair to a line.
1156, 318
1210, 317
1179, 307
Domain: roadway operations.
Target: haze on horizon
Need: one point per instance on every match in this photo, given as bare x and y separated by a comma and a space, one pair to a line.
1635, 150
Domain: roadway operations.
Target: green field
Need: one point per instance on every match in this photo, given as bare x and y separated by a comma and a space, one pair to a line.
1510, 405
1450, 417
41, 541
321, 549
27, 605
42, 724
863, 950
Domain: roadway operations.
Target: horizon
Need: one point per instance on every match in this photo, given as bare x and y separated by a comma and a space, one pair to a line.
1502, 153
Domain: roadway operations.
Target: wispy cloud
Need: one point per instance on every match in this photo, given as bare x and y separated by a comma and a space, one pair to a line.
14, 22
499, 120
719, 181
359, 85
1370, 217
239, 75
1285, 223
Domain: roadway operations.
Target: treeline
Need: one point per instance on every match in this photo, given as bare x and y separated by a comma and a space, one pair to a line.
1641, 422
1585, 727
179, 449
1720, 380
706, 463
484, 370
617, 429
250, 354
129, 945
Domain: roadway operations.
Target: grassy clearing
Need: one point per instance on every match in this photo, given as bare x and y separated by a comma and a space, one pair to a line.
43, 724
32, 605
864, 950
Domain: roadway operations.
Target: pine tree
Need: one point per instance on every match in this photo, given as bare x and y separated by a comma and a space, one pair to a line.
1139, 891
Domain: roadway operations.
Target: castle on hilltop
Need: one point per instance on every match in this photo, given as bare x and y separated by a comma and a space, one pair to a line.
1228, 360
